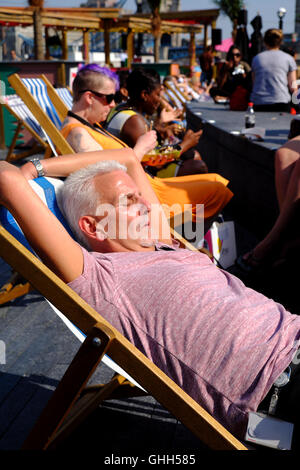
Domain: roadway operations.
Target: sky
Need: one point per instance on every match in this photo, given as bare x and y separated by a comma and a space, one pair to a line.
267, 9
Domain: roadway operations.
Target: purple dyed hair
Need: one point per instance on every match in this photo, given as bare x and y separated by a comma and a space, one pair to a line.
104, 71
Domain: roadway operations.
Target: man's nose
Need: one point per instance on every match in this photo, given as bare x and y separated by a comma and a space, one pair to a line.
145, 205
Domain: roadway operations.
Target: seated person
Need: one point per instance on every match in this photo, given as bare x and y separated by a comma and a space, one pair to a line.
130, 120
207, 61
222, 342
233, 73
272, 85
93, 92
284, 237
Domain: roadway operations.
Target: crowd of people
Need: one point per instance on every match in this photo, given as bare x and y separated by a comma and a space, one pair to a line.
269, 81
222, 342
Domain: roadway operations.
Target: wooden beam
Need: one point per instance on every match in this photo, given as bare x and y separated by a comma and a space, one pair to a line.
65, 44
106, 43
130, 47
86, 46
192, 51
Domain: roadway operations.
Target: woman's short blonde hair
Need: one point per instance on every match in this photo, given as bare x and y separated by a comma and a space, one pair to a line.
273, 37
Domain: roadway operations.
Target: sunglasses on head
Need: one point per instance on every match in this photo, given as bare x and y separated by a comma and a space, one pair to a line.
109, 98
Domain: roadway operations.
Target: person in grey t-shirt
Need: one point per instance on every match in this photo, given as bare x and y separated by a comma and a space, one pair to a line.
274, 72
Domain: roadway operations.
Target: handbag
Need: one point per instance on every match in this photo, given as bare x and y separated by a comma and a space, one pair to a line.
221, 242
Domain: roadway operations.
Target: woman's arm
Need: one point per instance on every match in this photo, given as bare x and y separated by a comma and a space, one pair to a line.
81, 141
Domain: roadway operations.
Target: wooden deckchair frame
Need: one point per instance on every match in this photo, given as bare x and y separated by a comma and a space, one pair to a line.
62, 146
58, 103
101, 339
39, 146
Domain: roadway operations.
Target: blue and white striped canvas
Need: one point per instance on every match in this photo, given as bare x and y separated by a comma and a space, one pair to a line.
38, 88
17, 105
66, 96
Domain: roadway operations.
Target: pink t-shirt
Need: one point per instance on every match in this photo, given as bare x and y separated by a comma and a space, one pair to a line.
223, 343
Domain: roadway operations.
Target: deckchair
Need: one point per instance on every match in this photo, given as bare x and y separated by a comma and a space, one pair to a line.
175, 91
60, 98
24, 117
66, 96
72, 401
35, 95
33, 92
172, 98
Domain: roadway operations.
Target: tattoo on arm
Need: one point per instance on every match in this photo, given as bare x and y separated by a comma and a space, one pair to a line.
81, 142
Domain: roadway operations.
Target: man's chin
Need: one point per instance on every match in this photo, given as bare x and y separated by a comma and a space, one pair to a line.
147, 243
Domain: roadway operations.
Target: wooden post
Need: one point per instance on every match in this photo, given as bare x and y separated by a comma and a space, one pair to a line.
192, 51
86, 45
205, 35
106, 43
130, 51
47, 52
65, 44
214, 74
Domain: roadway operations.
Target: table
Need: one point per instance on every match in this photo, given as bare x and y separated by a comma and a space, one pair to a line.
248, 165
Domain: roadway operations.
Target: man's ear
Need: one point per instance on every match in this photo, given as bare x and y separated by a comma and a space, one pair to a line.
89, 227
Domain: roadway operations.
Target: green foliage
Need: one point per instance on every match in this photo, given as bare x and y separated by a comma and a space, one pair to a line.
231, 8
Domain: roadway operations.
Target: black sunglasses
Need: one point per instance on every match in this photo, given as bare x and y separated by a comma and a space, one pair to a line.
237, 54
109, 98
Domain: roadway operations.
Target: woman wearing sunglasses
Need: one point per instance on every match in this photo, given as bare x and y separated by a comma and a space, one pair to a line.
94, 89
233, 73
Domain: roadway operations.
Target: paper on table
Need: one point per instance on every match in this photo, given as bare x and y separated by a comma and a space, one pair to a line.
254, 132
269, 431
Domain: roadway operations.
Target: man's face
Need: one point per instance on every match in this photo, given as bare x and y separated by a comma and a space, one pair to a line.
123, 219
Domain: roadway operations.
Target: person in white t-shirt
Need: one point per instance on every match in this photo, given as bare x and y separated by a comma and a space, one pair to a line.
274, 75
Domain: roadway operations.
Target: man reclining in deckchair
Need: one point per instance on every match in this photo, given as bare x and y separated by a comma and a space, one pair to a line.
223, 343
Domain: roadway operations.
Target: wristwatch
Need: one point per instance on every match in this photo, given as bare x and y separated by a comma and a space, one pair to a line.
39, 167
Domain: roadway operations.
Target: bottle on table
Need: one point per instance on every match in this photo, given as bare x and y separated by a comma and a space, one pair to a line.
250, 116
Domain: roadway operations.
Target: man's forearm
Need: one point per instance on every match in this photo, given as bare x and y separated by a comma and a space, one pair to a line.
66, 164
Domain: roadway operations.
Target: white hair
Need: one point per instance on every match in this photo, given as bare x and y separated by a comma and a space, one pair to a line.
78, 196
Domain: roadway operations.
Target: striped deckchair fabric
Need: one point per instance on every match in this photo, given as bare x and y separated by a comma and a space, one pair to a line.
172, 98
38, 90
34, 93
24, 117
66, 96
